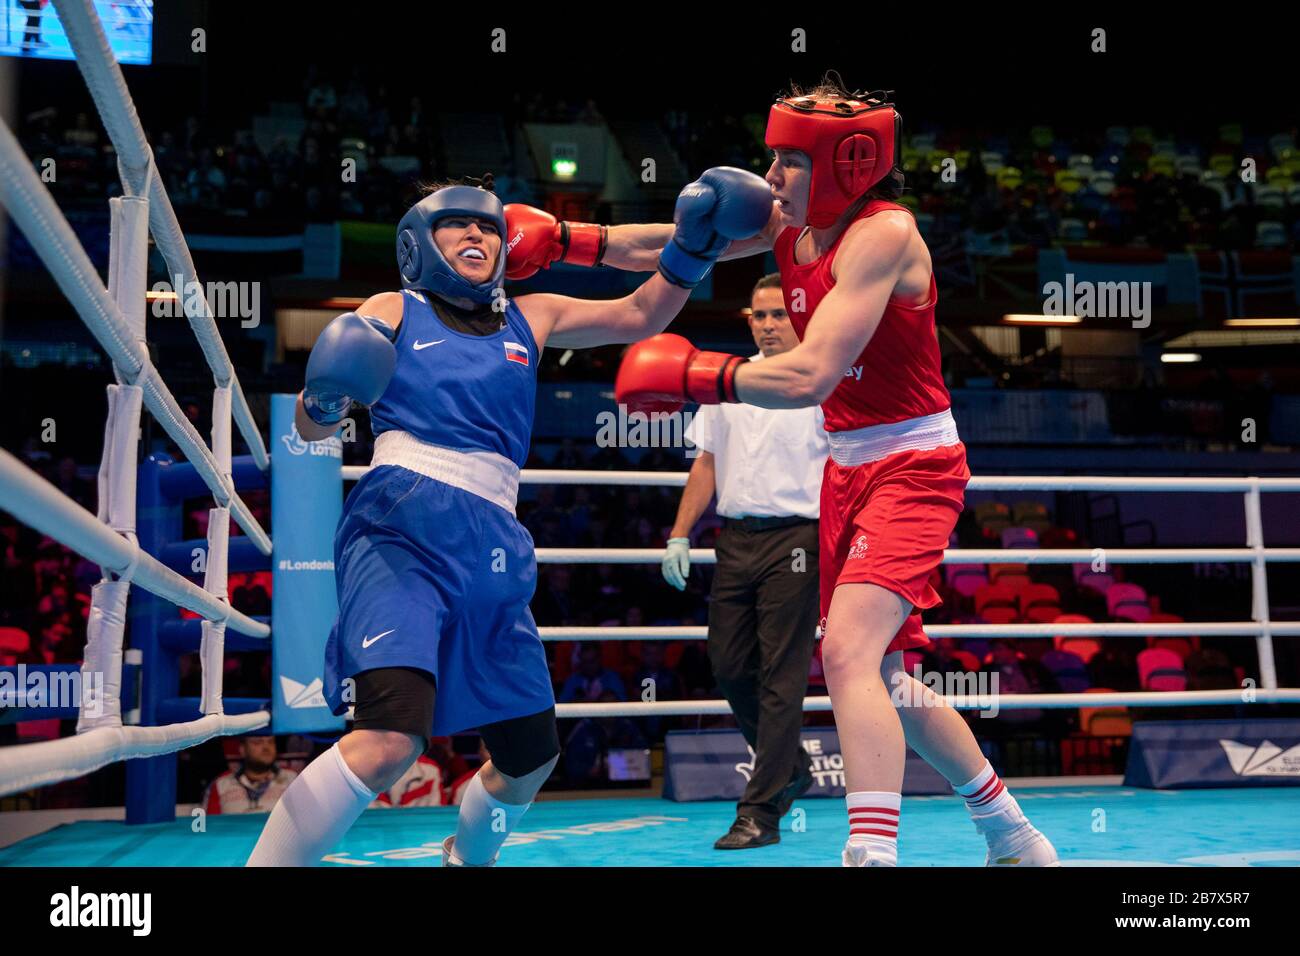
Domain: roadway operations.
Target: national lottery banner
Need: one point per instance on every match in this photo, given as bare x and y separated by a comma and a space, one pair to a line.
716, 765
306, 502
1173, 754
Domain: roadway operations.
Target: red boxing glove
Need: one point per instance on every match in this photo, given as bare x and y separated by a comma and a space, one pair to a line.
535, 239
664, 372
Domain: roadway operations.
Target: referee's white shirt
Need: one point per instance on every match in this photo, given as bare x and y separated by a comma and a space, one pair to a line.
768, 461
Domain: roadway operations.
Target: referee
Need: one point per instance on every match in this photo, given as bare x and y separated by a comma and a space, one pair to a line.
765, 466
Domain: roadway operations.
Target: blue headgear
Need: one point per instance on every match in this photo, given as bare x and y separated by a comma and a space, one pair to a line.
423, 265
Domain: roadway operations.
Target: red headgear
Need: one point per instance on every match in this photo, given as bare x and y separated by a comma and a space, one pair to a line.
852, 145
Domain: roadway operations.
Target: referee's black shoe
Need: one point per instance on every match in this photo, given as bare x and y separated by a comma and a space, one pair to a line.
746, 833
799, 784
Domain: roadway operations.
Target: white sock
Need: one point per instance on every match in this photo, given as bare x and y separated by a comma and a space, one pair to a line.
873, 822
988, 799
313, 814
483, 824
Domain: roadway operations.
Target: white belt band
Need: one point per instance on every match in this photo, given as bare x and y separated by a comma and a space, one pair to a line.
482, 473
864, 445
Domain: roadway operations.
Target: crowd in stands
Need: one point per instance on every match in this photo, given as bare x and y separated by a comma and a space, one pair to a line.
1120, 186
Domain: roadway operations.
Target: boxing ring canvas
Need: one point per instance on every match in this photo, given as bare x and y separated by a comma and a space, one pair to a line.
1090, 826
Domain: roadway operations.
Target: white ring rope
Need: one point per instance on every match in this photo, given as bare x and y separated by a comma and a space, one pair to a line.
677, 479
108, 88
1118, 699
23, 767
40, 505
29, 202
115, 316
698, 632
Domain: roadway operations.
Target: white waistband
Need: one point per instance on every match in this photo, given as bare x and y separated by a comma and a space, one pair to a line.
863, 445
482, 473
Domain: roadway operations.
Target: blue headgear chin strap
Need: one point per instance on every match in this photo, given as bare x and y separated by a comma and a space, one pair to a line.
422, 263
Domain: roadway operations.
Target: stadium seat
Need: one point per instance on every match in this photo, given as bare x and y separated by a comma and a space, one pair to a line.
1097, 581
1019, 538
992, 517
1011, 575
1161, 669
1083, 647
1128, 602
1057, 538
1031, 514
1040, 603
1182, 646
965, 579
1105, 721
1068, 669
14, 642
996, 604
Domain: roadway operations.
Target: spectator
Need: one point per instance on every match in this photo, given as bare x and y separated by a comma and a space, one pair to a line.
591, 679
420, 786
255, 786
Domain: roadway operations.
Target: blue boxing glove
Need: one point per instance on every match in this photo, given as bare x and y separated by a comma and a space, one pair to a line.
724, 204
352, 360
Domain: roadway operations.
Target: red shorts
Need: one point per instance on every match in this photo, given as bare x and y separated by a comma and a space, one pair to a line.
888, 522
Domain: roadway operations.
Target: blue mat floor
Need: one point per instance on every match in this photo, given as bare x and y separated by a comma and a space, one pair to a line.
1098, 826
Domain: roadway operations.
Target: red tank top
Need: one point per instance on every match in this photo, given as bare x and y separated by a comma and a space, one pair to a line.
898, 374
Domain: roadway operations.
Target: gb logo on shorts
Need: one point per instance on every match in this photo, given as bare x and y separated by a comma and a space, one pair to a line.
859, 549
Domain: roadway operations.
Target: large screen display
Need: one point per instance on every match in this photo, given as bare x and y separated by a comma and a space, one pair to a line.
31, 28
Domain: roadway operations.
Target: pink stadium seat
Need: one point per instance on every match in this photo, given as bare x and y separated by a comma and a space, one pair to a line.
1086, 577
1128, 602
1161, 669
965, 579
1084, 647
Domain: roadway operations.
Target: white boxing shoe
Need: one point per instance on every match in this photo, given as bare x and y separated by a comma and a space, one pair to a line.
855, 855
1021, 845
449, 860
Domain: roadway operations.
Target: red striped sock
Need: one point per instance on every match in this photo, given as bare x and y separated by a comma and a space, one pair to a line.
987, 796
873, 822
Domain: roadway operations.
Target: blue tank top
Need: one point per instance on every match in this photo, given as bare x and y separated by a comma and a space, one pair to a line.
470, 392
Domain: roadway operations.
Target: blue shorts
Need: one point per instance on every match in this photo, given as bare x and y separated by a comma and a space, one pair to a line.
433, 577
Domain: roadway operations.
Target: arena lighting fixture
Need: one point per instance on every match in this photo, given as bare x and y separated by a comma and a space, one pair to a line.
1279, 323
1173, 358
1030, 318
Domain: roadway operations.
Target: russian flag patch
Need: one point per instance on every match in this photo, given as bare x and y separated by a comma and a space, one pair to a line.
516, 353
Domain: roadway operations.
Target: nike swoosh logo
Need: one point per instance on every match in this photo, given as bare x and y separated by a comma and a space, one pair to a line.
367, 641
424, 345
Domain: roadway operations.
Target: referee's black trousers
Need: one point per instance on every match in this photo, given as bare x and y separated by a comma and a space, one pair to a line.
762, 629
